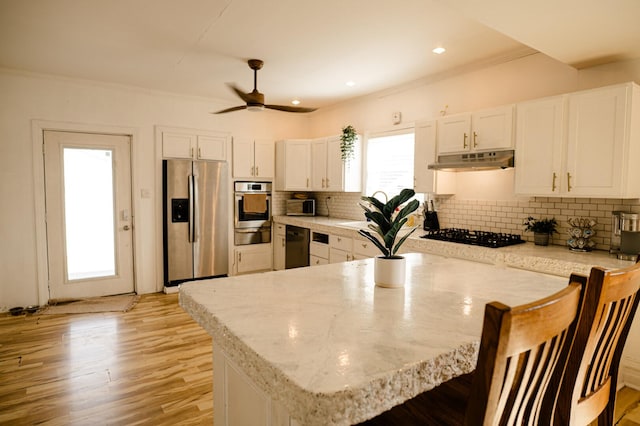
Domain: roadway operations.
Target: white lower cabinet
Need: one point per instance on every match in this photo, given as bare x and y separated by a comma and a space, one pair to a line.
279, 246
238, 401
340, 249
253, 258
318, 253
364, 249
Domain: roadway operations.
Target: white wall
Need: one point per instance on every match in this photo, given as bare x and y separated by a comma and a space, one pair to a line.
28, 97
88, 105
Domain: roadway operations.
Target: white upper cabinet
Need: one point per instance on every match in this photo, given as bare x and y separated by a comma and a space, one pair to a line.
191, 144
293, 165
599, 152
584, 144
253, 159
329, 172
539, 146
484, 130
425, 180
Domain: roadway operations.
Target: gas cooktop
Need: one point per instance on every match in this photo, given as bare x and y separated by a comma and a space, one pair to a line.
478, 238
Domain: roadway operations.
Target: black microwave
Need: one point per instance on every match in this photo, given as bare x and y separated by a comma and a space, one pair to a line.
301, 207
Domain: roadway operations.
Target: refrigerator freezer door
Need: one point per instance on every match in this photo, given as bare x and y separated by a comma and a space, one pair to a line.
179, 253
211, 242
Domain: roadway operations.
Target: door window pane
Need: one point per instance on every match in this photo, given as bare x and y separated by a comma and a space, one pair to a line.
89, 213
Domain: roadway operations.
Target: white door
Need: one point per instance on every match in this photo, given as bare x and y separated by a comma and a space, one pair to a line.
88, 202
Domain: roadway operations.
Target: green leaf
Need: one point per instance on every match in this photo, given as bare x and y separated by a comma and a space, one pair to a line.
374, 240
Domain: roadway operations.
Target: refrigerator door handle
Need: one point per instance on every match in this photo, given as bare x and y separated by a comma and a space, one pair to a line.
191, 208
196, 211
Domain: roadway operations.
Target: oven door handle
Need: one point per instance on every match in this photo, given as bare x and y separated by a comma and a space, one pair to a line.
252, 230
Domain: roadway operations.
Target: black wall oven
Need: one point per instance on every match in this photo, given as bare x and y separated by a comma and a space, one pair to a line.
252, 213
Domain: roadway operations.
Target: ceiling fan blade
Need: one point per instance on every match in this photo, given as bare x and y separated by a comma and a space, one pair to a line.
244, 96
236, 108
290, 108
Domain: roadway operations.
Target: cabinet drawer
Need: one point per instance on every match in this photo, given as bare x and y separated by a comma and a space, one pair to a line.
281, 229
365, 248
315, 260
342, 243
319, 250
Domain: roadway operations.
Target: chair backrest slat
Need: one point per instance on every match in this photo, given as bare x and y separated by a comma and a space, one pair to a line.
590, 378
521, 350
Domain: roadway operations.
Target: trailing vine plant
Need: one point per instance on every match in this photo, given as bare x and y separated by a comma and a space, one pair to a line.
347, 141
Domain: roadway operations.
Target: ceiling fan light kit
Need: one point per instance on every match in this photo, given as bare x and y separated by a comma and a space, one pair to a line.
255, 100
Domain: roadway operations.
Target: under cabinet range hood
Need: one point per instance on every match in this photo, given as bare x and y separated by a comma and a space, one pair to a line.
473, 161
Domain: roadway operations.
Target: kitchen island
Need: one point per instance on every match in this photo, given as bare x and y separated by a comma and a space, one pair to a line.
323, 346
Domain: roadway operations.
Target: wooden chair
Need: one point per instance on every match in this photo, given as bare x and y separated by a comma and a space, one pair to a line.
589, 384
521, 351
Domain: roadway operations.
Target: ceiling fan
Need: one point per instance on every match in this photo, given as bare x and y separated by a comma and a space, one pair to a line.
255, 100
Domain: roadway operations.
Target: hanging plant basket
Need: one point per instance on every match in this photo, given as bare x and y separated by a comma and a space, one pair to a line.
347, 142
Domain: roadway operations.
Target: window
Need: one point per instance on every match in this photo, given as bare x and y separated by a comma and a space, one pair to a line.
389, 163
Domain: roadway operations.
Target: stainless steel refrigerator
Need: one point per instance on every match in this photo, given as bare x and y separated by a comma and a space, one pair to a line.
196, 197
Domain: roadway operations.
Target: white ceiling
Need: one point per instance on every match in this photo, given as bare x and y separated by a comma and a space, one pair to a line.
310, 47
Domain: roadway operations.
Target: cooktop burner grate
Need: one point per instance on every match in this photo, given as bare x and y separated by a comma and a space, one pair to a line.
478, 238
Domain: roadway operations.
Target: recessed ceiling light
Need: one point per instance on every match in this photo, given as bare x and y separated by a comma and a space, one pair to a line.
350, 83
295, 102
439, 50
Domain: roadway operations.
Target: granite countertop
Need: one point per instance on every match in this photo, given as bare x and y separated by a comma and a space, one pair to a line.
335, 349
553, 259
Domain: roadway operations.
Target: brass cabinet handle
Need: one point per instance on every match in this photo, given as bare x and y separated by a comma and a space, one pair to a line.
568, 182
257, 172
323, 182
199, 152
553, 182
464, 140
475, 136
327, 182
253, 169
307, 182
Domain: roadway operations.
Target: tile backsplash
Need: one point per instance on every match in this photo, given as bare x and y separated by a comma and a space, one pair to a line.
496, 216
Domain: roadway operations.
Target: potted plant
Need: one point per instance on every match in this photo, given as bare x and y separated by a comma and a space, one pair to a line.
347, 140
388, 219
541, 228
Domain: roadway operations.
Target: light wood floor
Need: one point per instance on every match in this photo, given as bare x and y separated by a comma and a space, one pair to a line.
151, 365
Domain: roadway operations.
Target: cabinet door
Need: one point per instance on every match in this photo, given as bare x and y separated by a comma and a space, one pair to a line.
279, 252
263, 157
337, 255
297, 166
337, 169
453, 133
425, 180
253, 258
539, 146
243, 154
595, 142
178, 145
212, 148
492, 129
319, 165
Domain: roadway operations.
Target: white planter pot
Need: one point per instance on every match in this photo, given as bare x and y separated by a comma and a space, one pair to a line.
389, 272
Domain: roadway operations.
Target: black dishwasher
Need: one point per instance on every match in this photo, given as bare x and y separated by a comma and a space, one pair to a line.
297, 247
